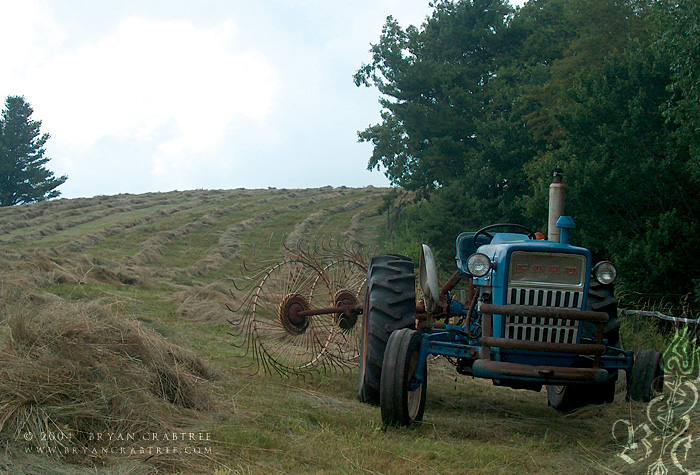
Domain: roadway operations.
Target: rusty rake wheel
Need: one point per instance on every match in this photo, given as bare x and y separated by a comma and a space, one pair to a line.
286, 340
346, 280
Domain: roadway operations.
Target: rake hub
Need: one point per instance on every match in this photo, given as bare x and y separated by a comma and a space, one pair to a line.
290, 308
346, 320
301, 314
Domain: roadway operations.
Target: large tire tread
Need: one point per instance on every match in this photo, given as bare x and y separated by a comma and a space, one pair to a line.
647, 376
399, 405
390, 305
601, 298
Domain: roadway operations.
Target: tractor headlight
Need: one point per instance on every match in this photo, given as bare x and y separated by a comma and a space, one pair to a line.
605, 272
479, 264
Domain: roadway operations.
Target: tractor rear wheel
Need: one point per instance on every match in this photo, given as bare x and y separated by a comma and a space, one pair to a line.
646, 379
401, 405
601, 298
390, 304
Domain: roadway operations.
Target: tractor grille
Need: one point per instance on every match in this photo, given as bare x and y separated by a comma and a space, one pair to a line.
545, 298
560, 286
543, 329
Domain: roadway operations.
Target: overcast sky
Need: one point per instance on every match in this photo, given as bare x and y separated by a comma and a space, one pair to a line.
158, 95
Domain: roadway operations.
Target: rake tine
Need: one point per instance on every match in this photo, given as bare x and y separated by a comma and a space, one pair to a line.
245, 266
308, 267
233, 281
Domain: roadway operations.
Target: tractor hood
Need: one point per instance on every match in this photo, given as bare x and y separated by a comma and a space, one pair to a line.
503, 245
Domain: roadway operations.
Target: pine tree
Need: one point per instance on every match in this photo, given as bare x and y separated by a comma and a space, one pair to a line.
23, 177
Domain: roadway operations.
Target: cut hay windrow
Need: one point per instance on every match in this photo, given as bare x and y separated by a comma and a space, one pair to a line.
77, 371
204, 304
152, 249
227, 247
356, 225
16, 217
47, 226
37, 214
303, 229
229, 243
92, 239
43, 269
48, 218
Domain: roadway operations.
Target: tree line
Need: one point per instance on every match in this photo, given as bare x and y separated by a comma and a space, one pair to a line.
482, 102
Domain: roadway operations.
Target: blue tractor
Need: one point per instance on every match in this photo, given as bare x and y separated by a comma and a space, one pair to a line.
538, 313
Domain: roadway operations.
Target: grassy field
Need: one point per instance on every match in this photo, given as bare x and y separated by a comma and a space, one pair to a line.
117, 356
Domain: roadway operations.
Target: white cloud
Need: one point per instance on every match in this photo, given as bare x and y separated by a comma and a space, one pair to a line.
236, 94
149, 72
28, 36
177, 83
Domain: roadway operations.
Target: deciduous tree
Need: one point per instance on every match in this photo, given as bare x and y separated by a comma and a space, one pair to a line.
482, 102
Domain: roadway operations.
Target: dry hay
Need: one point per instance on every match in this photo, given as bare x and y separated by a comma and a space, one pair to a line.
654, 437
228, 246
19, 292
77, 371
40, 269
152, 249
356, 222
319, 217
204, 304
51, 224
302, 228
91, 239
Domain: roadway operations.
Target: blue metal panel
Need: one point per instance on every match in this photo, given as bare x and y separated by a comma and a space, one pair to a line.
453, 342
500, 251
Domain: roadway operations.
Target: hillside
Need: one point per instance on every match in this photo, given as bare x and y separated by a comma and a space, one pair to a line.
118, 355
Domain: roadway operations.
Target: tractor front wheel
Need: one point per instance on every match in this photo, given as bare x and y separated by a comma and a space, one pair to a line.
561, 397
402, 399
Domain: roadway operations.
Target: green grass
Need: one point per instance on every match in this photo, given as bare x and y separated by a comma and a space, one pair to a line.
265, 423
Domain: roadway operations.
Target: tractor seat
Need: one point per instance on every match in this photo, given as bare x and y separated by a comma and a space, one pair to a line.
465, 248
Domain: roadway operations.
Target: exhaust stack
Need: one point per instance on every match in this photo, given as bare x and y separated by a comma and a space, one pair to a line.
556, 204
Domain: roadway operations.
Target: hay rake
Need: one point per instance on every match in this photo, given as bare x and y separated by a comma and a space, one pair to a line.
301, 314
